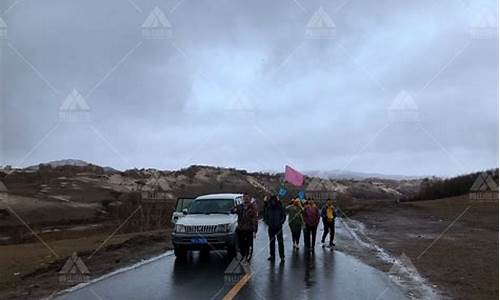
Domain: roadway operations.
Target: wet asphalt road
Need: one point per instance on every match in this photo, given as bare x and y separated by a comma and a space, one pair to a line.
326, 274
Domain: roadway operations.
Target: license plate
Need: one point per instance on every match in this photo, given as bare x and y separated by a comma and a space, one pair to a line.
199, 241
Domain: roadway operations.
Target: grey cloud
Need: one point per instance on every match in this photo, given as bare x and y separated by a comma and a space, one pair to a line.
317, 102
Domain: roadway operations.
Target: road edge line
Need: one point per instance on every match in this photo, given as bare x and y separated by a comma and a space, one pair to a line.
113, 273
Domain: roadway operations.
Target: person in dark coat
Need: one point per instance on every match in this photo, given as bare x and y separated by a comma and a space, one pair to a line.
274, 217
247, 224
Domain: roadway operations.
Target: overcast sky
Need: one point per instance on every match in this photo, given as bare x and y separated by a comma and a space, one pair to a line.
242, 84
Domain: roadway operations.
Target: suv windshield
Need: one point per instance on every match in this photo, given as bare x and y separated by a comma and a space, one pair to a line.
211, 206
183, 203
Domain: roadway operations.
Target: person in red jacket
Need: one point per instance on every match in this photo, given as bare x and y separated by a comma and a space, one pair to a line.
311, 220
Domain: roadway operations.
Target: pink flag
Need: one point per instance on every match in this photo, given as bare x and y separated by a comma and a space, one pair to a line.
293, 176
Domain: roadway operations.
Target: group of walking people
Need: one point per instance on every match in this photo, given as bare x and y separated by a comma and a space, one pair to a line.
301, 217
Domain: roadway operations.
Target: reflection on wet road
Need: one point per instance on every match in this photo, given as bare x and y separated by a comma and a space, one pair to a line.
324, 274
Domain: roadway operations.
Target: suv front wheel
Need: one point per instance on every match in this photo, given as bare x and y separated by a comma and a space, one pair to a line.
180, 252
231, 251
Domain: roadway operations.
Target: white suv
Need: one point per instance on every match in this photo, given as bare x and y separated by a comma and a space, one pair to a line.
208, 224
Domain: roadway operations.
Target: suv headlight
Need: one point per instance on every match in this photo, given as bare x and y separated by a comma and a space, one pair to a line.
222, 228
180, 228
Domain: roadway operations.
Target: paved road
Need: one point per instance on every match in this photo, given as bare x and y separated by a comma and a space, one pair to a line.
326, 274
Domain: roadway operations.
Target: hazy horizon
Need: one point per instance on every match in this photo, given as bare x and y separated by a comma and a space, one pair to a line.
391, 88
318, 173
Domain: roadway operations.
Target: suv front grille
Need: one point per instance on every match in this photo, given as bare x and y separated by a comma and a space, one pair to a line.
201, 228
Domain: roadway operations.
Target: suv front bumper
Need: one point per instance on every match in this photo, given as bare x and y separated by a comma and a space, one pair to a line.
215, 241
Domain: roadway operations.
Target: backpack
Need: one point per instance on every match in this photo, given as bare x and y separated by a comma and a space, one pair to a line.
330, 214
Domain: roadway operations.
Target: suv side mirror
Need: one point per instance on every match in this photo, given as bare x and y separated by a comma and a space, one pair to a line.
185, 211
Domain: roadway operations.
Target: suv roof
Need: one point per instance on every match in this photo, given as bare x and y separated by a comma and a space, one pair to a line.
220, 196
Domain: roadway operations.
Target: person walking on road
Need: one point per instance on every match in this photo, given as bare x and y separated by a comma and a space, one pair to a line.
247, 224
311, 220
274, 217
328, 218
295, 221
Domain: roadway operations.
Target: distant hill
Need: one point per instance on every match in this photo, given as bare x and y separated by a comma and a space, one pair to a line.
69, 162
437, 188
199, 179
345, 174
66, 162
330, 174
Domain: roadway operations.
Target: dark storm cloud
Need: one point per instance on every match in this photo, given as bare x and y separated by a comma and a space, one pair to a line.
240, 85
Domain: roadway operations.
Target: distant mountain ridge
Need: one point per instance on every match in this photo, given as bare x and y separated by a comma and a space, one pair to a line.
65, 162
345, 174
69, 162
331, 174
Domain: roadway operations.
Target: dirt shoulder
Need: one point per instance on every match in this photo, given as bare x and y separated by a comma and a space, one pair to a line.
31, 271
453, 243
